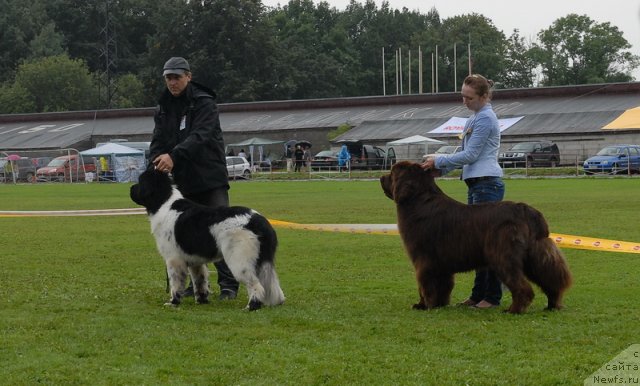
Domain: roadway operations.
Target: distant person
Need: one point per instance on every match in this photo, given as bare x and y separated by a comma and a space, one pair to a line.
104, 165
288, 157
298, 154
187, 142
343, 158
230, 153
242, 153
306, 156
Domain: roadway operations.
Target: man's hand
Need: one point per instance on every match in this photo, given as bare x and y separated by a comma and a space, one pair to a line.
164, 163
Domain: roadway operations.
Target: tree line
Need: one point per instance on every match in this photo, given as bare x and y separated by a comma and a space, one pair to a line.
60, 55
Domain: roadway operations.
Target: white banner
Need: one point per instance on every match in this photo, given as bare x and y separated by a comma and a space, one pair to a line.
506, 123
455, 125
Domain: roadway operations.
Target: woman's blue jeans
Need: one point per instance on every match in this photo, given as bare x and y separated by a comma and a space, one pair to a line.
486, 285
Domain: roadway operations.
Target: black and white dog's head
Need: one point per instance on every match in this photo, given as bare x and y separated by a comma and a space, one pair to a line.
153, 189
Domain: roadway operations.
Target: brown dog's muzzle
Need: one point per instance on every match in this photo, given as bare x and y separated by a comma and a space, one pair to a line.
387, 185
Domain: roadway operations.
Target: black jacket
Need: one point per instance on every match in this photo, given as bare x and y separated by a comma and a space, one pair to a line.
197, 150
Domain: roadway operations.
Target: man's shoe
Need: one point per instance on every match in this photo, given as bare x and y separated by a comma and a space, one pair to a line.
227, 294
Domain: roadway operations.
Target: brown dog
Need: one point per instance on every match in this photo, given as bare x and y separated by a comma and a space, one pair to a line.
443, 236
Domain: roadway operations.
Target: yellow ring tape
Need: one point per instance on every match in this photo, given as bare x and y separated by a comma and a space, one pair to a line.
562, 240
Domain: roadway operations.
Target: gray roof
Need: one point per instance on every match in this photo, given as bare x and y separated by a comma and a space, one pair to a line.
534, 124
542, 115
573, 109
52, 131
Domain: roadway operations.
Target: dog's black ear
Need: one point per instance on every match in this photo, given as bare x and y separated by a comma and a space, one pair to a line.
158, 174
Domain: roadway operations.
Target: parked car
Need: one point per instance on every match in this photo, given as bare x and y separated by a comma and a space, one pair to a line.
614, 159
238, 167
446, 149
529, 154
66, 168
326, 159
369, 156
23, 169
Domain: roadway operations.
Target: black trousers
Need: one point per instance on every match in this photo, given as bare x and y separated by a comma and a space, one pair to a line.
215, 198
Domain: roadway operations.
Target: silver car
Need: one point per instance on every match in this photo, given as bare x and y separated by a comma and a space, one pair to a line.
238, 167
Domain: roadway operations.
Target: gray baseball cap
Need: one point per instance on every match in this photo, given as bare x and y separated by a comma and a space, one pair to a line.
176, 65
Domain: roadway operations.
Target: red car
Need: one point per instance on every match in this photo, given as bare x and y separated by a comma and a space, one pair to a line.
65, 168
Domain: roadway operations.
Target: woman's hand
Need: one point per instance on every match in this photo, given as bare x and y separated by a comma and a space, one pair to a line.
428, 163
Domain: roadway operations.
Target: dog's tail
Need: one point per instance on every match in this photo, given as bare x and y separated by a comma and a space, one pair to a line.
268, 277
547, 267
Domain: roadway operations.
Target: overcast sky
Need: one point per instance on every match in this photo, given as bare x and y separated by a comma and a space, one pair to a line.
528, 17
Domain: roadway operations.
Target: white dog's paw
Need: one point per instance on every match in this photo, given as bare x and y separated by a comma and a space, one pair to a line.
254, 305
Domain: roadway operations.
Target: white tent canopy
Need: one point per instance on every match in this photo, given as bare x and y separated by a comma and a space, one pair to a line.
415, 140
416, 152
124, 163
251, 143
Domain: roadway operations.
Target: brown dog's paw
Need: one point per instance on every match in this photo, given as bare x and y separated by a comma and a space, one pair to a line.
514, 310
419, 306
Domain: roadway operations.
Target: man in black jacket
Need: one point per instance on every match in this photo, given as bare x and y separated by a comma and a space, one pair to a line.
187, 142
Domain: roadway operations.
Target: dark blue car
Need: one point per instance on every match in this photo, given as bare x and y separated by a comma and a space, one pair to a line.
614, 159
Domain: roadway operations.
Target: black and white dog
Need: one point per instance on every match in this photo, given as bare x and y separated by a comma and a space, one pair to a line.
189, 236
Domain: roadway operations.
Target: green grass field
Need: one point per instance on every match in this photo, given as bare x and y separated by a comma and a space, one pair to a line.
82, 297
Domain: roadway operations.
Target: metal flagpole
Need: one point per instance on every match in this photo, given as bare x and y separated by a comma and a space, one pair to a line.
469, 54
455, 68
384, 84
409, 69
400, 66
397, 72
419, 70
436, 69
432, 75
